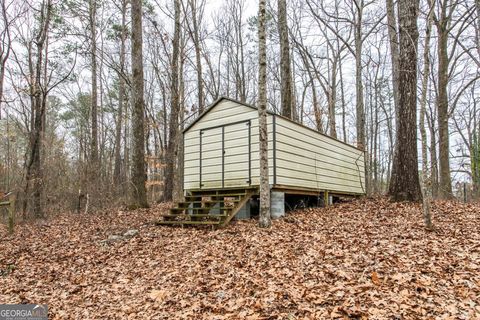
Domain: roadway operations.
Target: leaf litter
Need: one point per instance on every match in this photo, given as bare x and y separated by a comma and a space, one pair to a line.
366, 259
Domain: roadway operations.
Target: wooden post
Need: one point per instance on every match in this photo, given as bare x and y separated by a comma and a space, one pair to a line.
325, 198
11, 215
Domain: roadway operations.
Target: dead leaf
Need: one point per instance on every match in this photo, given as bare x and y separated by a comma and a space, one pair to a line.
157, 295
375, 279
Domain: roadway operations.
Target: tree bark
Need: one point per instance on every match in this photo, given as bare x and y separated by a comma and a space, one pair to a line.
342, 95
34, 167
287, 104
121, 99
445, 185
433, 156
5, 49
170, 156
139, 176
360, 107
423, 106
393, 36
405, 184
94, 98
198, 56
264, 220
332, 98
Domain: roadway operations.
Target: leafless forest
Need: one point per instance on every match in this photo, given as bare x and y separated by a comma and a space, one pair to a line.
94, 94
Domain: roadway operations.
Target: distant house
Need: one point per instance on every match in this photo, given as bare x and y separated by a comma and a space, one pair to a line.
221, 149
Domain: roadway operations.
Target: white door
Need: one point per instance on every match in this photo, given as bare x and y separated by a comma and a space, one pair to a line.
211, 158
236, 155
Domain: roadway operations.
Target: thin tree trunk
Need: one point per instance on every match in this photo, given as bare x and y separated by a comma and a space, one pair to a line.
332, 99
121, 99
404, 183
434, 158
170, 156
94, 107
360, 108
264, 220
198, 56
423, 106
445, 185
139, 176
4, 50
179, 172
287, 104
344, 116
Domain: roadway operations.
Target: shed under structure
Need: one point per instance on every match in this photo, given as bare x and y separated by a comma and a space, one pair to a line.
222, 166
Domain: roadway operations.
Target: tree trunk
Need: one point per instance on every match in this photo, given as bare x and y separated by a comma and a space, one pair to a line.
139, 176
170, 155
94, 107
121, 99
445, 185
5, 48
34, 167
393, 36
405, 184
287, 104
433, 156
264, 220
344, 112
179, 172
332, 99
196, 42
360, 108
423, 107
477, 29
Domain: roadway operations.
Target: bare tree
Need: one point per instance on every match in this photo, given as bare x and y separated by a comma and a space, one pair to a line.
393, 36
5, 47
196, 11
139, 194
442, 23
121, 96
92, 18
423, 103
38, 98
404, 184
287, 101
265, 220
170, 156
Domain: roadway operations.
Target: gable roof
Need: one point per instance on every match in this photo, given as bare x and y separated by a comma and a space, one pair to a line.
214, 104
222, 98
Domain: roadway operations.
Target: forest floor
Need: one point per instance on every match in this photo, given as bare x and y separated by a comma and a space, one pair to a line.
368, 259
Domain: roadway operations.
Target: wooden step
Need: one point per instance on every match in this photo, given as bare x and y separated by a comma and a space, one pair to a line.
221, 194
201, 209
207, 202
202, 215
180, 222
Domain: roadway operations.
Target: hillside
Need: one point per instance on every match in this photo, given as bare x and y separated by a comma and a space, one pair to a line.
369, 259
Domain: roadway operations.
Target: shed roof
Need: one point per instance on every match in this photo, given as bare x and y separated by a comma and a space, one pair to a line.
214, 104
221, 98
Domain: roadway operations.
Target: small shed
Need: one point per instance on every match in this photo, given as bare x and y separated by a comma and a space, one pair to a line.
221, 156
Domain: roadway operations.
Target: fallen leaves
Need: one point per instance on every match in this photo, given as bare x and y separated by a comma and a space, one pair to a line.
369, 259
375, 279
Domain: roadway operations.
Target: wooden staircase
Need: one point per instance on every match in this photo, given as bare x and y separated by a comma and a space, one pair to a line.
208, 207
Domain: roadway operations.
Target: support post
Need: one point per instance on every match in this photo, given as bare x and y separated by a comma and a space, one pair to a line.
325, 198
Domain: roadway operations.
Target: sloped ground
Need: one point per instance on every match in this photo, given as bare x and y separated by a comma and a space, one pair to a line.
369, 259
